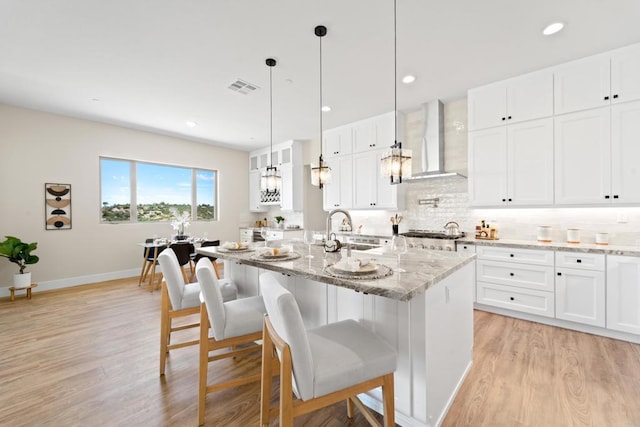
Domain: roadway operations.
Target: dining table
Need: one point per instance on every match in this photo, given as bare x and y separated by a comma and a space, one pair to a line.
152, 248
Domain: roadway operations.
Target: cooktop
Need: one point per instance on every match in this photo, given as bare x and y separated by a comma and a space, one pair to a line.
430, 234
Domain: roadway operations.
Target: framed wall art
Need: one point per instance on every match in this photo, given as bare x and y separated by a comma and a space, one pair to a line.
57, 206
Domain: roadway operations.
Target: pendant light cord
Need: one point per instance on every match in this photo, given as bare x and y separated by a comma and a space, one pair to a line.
395, 74
271, 115
320, 38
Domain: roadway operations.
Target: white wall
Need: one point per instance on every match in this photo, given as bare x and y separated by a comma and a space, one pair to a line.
37, 147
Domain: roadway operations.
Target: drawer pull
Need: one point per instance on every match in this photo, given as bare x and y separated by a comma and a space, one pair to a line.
512, 298
511, 255
578, 261
559, 274
511, 274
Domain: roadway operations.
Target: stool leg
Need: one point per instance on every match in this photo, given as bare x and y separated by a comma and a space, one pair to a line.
13, 294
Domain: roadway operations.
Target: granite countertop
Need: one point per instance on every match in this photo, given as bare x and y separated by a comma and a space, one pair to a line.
558, 246
424, 268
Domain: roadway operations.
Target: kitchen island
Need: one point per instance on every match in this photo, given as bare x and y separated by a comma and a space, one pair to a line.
425, 313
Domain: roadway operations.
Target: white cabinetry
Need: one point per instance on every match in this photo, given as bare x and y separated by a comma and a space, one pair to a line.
597, 81
356, 181
372, 190
516, 279
337, 142
580, 288
254, 192
339, 192
512, 165
597, 155
518, 99
623, 294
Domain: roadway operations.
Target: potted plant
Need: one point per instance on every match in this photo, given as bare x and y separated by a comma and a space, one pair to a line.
280, 220
19, 252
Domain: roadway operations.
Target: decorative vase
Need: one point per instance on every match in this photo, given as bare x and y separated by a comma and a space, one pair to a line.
21, 280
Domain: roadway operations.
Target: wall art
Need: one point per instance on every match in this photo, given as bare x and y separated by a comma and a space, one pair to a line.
57, 206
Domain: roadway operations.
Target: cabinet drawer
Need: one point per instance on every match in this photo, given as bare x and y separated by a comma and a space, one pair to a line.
514, 274
525, 300
527, 256
580, 260
465, 248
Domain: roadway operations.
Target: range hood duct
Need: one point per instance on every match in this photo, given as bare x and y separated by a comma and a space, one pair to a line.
428, 156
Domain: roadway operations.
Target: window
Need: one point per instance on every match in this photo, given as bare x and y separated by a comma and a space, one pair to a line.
158, 191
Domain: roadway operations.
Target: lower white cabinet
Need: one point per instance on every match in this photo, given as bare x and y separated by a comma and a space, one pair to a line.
580, 288
525, 300
623, 293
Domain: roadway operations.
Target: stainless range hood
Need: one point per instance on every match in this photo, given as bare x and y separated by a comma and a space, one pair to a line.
428, 153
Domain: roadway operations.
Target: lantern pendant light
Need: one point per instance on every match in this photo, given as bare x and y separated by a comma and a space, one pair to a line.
271, 181
396, 162
321, 174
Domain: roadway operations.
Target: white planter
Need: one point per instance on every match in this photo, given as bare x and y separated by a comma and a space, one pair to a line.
22, 280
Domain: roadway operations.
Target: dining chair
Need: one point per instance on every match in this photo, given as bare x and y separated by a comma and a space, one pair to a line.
180, 299
230, 324
150, 255
183, 251
198, 257
321, 366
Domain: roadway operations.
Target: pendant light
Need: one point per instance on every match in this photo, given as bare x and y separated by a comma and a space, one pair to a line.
270, 182
321, 174
396, 162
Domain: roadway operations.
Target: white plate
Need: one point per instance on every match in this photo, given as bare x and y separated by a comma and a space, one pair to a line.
366, 269
267, 256
235, 249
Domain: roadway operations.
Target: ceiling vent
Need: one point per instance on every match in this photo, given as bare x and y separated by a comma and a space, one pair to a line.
243, 87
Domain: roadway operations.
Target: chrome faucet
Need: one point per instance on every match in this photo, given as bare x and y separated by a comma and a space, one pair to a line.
329, 216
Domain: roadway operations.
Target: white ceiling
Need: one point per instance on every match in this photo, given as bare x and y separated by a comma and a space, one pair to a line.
155, 64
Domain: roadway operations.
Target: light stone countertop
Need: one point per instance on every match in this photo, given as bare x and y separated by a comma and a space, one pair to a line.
424, 268
556, 246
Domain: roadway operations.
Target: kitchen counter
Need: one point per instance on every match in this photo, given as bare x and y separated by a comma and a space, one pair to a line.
425, 314
424, 269
557, 246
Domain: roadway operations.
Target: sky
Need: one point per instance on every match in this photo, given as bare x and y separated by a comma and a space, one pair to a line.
155, 183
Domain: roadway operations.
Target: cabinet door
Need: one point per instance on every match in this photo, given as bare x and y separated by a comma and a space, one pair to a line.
487, 106
625, 152
530, 97
386, 193
582, 157
386, 130
488, 167
625, 69
623, 294
254, 192
530, 163
365, 176
580, 296
286, 188
337, 141
364, 136
582, 84
339, 192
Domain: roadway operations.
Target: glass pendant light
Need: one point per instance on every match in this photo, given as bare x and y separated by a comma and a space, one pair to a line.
396, 162
271, 181
321, 174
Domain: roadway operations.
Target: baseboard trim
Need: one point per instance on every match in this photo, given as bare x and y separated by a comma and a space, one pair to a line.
78, 280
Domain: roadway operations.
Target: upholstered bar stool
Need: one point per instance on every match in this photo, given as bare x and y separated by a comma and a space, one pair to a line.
232, 324
321, 366
180, 299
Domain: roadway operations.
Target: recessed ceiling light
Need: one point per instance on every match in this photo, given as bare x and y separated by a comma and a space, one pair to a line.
191, 124
552, 28
326, 109
408, 79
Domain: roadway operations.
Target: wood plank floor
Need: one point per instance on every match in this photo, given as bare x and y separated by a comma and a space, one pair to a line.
89, 356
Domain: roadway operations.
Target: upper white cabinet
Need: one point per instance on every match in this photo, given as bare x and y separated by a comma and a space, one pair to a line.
598, 80
287, 157
597, 157
356, 181
339, 192
372, 190
515, 100
512, 165
338, 141
623, 294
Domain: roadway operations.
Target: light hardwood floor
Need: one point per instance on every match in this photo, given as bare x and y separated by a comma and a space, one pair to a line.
89, 356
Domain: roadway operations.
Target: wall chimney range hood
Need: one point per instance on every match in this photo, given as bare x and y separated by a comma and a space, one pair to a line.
428, 156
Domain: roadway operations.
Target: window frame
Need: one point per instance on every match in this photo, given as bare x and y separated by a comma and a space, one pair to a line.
133, 202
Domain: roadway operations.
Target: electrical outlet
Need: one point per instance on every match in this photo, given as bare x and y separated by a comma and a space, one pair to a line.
622, 218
